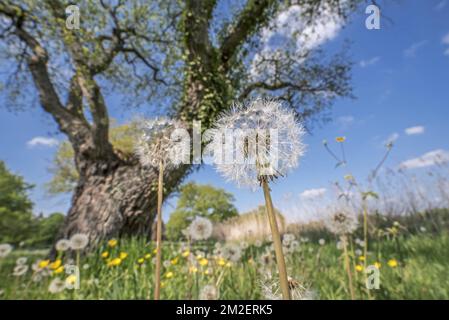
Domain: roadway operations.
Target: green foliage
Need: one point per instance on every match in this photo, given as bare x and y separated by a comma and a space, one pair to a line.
15, 207
63, 167
200, 200
46, 230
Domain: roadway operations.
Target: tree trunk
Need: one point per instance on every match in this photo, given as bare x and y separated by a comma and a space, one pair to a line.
116, 198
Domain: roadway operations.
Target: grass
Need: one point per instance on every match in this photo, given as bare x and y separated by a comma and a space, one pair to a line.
422, 272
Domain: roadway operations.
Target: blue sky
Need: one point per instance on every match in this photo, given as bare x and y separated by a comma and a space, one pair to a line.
400, 79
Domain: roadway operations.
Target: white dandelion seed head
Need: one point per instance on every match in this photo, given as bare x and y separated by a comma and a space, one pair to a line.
321, 242
21, 260
159, 143
62, 245
209, 292
244, 245
20, 270
266, 142
271, 289
36, 277
201, 228
294, 245
57, 285
358, 252
232, 252
5, 250
341, 222
258, 243
287, 239
265, 259
79, 241
166, 264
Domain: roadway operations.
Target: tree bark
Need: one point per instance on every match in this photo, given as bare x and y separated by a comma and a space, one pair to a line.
116, 198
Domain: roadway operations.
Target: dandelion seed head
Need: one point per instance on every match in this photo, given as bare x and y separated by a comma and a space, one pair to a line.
209, 292
5, 250
56, 285
21, 260
62, 245
79, 241
266, 142
271, 289
341, 222
20, 270
158, 143
201, 228
232, 252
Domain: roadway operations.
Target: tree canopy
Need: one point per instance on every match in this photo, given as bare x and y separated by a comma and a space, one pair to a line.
199, 200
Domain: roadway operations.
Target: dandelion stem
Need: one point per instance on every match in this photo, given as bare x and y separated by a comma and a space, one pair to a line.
160, 188
348, 266
276, 241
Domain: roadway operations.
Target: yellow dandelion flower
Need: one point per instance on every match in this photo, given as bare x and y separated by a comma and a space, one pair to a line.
221, 262
43, 264
147, 256
114, 262
140, 260
207, 272
377, 265
348, 177
250, 261
71, 279
203, 262
59, 270
123, 255
55, 264
359, 268
362, 258
186, 253
169, 275
162, 284
228, 264
105, 254
193, 270
112, 243
340, 139
174, 261
393, 263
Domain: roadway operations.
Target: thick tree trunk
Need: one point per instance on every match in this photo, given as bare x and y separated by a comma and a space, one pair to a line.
114, 198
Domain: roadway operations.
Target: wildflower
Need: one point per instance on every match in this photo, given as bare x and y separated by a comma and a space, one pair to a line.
174, 261
62, 245
362, 258
59, 270
114, 262
228, 264
422, 229
271, 290
244, 245
79, 241
186, 253
112, 243
269, 142
123, 255
359, 268
209, 292
155, 251
21, 261
322, 242
5, 250
169, 275
147, 256
232, 252
70, 280
86, 266
203, 262
340, 139
358, 252
56, 285
200, 228
393, 263
221, 262
208, 271
56, 264
20, 270
377, 265
140, 260
105, 254
43, 264
341, 222
193, 269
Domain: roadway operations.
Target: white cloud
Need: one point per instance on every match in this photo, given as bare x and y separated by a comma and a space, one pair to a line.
42, 141
440, 5
293, 35
446, 53
445, 39
392, 138
426, 160
313, 193
410, 52
415, 130
369, 62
